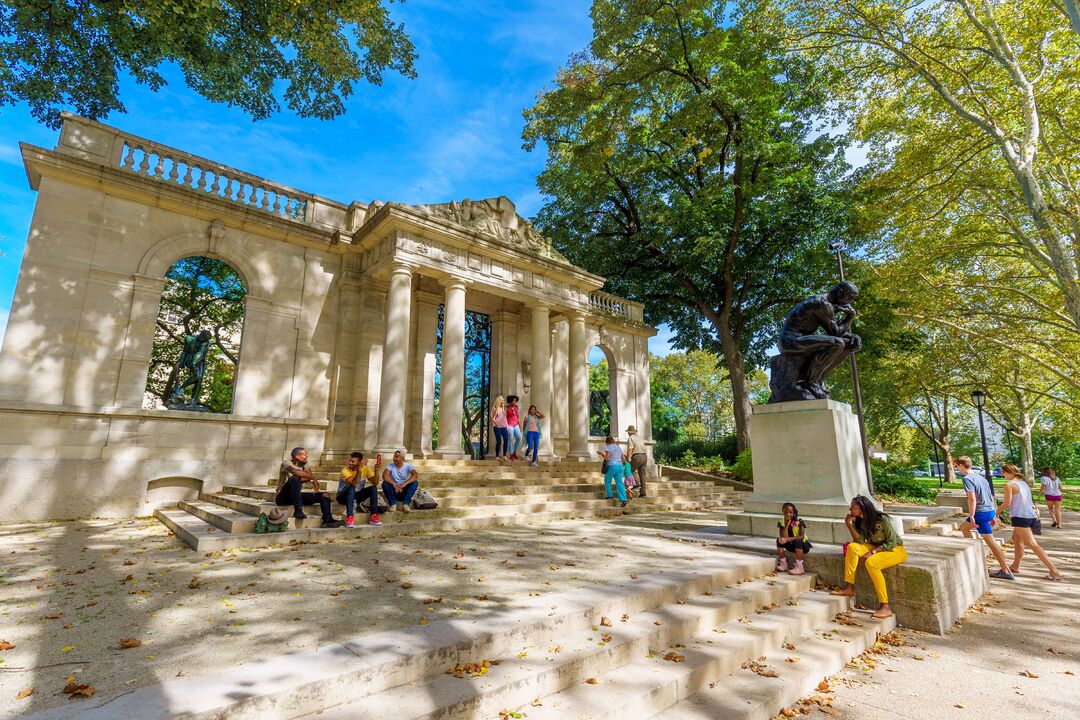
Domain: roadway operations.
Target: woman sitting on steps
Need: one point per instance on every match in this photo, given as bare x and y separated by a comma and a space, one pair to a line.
874, 538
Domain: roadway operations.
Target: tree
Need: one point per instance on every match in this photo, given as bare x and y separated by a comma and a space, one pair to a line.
200, 293
693, 389
683, 163
974, 97
68, 54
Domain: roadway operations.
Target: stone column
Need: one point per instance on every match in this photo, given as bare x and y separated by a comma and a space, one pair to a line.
541, 372
452, 374
395, 361
578, 359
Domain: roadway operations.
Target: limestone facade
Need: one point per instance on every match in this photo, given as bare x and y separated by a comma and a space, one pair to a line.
339, 337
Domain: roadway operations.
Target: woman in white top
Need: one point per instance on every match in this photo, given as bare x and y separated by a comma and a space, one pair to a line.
1022, 516
1051, 490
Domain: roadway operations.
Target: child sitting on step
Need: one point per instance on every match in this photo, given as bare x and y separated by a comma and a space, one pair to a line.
792, 537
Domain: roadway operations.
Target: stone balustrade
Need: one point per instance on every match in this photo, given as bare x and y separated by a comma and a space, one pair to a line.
607, 304
166, 164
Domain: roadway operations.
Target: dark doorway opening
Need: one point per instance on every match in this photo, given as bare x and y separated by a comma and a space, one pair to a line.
475, 420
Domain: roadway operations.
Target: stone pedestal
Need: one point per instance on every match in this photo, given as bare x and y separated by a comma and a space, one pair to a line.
809, 453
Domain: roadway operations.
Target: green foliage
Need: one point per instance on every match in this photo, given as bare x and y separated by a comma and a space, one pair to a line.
685, 144
896, 481
711, 464
1060, 453
675, 447
692, 389
200, 293
67, 54
743, 469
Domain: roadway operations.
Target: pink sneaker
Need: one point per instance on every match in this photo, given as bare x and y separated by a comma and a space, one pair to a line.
350, 521
782, 564
375, 519
799, 569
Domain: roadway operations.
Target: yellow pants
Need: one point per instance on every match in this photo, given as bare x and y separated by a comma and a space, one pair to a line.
874, 565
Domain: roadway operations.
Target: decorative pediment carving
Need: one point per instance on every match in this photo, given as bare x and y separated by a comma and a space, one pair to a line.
496, 218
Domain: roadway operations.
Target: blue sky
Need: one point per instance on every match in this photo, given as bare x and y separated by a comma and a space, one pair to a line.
452, 133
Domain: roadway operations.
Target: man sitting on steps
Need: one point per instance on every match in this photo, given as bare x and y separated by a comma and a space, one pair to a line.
400, 483
354, 482
291, 479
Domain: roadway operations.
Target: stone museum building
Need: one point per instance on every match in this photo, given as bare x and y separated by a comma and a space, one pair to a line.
366, 326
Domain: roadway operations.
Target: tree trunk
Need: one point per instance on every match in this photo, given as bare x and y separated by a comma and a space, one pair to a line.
946, 452
740, 392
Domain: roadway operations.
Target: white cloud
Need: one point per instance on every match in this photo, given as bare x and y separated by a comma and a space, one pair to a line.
10, 154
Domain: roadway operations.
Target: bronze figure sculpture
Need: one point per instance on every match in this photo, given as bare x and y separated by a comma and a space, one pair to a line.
807, 355
192, 359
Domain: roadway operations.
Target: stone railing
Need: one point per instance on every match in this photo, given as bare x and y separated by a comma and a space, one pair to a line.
607, 304
169, 165
160, 163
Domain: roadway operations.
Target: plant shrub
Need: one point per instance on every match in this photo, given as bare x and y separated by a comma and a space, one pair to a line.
743, 468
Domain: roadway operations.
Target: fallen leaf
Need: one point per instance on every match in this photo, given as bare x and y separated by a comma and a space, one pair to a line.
1028, 673
606, 637
406, 584
522, 553
24, 693
658, 622
129, 562
459, 555
128, 643
605, 621
823, 686
537, 703
5, 645
959, 705
67, 648
432, 601
792, 659
592, 681
482, 597
459, 566
75, 690
674, 657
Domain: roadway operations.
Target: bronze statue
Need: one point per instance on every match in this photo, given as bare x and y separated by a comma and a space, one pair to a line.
192, 359
806, 355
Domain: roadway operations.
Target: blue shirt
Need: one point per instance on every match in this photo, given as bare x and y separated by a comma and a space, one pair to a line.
984, 492
400, 475
615, 454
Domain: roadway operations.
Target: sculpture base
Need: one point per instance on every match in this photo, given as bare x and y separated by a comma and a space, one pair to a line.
808, 453
189, 408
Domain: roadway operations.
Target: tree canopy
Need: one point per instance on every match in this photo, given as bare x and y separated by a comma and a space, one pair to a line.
63, 54
684, 163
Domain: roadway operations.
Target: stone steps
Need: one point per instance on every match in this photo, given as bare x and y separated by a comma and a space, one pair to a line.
508, 484
324, 678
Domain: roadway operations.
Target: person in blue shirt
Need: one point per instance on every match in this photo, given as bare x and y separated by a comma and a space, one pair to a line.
982, 509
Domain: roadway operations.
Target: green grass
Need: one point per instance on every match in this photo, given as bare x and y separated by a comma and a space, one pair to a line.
1070, 498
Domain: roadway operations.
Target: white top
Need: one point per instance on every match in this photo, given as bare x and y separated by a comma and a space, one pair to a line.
1021, 505
1050, 486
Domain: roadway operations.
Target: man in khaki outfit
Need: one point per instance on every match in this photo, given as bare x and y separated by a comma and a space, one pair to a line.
635, 451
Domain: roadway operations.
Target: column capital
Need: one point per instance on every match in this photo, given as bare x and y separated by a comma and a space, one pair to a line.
452, 282
398, 267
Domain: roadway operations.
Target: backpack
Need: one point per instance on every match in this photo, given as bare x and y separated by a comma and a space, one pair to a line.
365, 504
263, 525
423, 500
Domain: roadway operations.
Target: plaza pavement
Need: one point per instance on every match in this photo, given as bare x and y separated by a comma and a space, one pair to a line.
72, 591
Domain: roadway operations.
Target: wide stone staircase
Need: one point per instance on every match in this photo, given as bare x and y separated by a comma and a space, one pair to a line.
471, 494
728, 638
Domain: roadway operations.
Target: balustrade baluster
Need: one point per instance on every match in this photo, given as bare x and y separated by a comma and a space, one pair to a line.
187, 175
143, 160
174, 171
125, 158
160, 167
219, 184
277, 203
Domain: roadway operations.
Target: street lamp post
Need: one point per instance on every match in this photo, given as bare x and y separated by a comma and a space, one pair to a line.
837, 247
979, 398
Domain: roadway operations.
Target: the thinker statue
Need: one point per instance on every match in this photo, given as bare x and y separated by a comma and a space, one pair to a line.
807, 355
192, 359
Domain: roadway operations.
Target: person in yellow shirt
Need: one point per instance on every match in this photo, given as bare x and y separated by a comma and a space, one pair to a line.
357, 478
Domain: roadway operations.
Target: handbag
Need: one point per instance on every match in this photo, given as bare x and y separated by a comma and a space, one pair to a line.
1036, 529
604, 466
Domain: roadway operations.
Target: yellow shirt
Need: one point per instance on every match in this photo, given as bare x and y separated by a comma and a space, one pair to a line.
347, 475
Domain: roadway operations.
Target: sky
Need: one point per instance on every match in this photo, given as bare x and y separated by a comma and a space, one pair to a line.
453, 132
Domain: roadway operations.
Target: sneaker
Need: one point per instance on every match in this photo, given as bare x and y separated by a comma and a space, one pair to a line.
535, 464
406, 507
622, 503
299, 515
332, 523
799, 569
350, 521
375, 519
1002, 575
781, 565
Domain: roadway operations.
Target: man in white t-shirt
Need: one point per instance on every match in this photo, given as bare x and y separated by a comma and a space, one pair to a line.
400, 483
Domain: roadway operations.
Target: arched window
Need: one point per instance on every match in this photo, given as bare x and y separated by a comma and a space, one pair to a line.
197, 338
601, 392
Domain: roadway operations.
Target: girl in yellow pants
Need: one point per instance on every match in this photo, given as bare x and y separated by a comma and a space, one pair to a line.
874, 539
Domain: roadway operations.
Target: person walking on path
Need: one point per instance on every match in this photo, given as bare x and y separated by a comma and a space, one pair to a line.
1051, 490
1023, 516
635, 451
502, 433
982, 508
613, 460
532, 433
513, 424
874, 539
